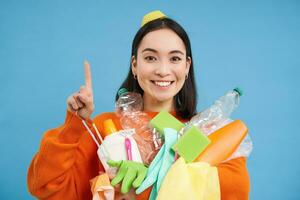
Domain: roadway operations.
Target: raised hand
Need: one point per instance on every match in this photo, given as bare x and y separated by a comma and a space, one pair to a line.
82, 101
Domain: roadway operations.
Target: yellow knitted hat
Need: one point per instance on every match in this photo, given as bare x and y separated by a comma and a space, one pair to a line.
152, 16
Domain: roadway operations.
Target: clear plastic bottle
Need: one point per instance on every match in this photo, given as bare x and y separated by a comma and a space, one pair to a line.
129, 108
128, 102
217, 116
214, 117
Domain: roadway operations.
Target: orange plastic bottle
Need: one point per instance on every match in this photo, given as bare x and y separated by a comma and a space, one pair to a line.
223, 143
109, 127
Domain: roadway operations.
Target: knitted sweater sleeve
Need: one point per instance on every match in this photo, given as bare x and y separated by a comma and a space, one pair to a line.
234, 179
64, 161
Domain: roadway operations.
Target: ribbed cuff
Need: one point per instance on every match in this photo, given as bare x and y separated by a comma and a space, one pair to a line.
73, 128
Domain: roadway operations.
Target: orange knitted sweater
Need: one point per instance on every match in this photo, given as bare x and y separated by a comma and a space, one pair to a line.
67, 160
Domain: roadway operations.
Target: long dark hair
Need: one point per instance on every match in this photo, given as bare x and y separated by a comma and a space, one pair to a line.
186, 99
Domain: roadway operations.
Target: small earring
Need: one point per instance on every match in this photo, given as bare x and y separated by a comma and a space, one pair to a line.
186, 76
135, 76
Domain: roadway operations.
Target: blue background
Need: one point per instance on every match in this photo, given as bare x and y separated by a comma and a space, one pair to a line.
251, 44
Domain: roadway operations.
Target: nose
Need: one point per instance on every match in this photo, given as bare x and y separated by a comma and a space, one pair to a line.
163, 69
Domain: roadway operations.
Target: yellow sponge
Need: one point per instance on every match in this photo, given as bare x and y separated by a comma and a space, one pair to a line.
165, 120
191, 144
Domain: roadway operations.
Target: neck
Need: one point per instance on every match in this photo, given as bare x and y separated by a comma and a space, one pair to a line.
152, 105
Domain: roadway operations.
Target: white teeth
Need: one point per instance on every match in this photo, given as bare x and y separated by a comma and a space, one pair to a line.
163, 84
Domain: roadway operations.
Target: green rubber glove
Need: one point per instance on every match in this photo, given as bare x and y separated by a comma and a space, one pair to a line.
132, 173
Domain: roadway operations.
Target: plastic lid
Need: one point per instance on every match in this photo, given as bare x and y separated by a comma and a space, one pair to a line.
238, 90
122, 91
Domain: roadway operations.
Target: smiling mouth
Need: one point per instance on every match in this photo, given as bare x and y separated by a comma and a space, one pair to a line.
162, 83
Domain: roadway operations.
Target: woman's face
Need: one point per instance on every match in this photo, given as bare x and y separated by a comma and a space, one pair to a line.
161, 65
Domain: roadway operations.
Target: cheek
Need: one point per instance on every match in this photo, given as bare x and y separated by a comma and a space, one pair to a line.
143, 74
144, 70
180, 72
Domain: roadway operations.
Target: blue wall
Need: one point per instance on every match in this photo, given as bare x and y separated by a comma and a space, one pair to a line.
254, 45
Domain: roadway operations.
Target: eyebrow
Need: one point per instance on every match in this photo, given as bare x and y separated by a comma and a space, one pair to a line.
153, 50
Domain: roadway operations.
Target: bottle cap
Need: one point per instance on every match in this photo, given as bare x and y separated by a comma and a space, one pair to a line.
122, 91
238, 90
109, 127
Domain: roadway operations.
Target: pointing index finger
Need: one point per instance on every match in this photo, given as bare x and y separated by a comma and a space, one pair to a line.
88, 75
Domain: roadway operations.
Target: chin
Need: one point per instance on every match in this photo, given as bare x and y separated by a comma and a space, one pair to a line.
163, 98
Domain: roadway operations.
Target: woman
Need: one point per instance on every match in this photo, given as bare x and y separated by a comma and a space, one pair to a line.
162, 71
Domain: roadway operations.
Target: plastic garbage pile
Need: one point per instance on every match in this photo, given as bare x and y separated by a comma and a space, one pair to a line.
210, 137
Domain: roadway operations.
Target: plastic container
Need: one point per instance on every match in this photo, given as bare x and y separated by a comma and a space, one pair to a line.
113, 147
129, 108
224, 142
109, 127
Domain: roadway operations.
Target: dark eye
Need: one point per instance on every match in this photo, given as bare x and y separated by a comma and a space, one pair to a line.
150, 58
175, 59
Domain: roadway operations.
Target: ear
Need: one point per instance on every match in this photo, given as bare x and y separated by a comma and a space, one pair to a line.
133, 65
188, 64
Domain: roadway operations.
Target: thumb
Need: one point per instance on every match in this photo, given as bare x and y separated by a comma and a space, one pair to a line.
113, 163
